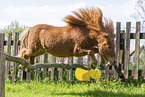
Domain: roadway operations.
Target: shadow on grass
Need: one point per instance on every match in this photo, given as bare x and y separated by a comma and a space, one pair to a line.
99, 93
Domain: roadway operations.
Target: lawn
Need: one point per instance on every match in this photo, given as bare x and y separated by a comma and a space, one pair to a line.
100, 88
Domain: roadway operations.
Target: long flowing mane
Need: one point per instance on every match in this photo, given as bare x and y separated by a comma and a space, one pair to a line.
91, 18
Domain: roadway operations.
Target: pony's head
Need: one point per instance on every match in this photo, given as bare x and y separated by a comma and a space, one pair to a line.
106, 48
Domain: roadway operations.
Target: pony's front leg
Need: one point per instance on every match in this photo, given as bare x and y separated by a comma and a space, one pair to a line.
79, 51
94, 60
103, 63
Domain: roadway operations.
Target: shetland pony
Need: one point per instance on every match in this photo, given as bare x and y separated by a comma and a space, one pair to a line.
85, 34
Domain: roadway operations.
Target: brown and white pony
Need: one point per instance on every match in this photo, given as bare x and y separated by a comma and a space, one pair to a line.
85, 31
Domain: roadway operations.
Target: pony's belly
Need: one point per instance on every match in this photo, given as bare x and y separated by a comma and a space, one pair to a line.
65, 53
61, 53
59, 48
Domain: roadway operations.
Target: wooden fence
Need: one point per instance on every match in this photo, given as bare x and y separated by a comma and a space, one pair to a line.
10, 46
123, 38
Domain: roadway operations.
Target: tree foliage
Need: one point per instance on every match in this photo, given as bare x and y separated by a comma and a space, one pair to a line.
139, 12
13, 27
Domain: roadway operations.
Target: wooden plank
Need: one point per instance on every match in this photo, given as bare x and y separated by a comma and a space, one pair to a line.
52, 69
45, 69
88, 61
15, 53
133, 35
143, 71
80, 61
137, 45
2, 74
28, 75
99, 60
107, 74
2, 37
9, 53
142, 35
70, 62
48, 69
67, 78
37, 70
122, 49
16, 43
127, 49
118, 27
60, 70
121, 54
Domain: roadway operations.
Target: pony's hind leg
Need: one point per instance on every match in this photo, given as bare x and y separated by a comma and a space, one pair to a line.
33, 53
27, 54
94, 60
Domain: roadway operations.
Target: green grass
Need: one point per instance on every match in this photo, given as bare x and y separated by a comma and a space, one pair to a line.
73, 89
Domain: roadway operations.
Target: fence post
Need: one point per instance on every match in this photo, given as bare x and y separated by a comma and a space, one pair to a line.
137, 45
60, 70
122, 48
45, 69
2, 36
15, 53
127, 49
37, 74
9, 42
2, 74
118, 27
53, 69
70, 62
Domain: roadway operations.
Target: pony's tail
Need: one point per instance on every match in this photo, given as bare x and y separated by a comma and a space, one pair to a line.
24, 41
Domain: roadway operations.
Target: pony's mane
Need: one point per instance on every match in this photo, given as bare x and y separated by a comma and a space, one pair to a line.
90, 17
108, 25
